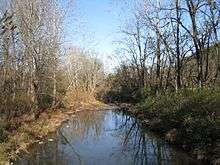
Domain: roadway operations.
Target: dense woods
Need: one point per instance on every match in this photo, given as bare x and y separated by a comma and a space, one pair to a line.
36, 70
29, 56
84, 74
170, 45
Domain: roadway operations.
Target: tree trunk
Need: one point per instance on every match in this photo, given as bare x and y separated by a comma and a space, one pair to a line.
178, 65
54, 89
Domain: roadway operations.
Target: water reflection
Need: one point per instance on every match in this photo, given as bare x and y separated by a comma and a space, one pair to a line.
105, 138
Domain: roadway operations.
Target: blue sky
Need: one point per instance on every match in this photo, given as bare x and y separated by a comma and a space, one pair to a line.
95, 24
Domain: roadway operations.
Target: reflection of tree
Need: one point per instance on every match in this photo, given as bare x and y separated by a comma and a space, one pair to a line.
66, 141
47, 154
136, 146
146, 150
84, 125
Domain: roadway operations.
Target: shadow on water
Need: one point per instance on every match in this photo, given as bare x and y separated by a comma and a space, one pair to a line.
104, 138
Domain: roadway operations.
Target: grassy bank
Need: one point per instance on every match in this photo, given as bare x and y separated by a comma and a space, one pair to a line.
188, 118
18, 140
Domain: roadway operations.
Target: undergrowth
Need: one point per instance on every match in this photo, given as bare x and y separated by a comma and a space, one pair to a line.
194, 113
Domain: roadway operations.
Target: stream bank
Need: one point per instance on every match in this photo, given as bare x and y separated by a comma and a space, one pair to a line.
35, 131
172, 131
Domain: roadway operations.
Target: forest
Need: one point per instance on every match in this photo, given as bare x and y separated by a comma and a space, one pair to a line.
35, 73
168, 76
171, 72
170, 46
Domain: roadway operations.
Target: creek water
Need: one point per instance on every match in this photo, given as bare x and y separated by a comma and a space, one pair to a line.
104, 138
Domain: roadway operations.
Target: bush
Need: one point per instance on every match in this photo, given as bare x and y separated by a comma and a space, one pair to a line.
195, 113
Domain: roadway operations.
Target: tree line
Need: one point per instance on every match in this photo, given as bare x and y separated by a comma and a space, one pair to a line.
169, 45
35, 71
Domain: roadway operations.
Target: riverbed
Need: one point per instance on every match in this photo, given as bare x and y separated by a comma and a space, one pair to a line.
107, 137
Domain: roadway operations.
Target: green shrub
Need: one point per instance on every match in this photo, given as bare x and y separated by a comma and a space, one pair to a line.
195, 113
